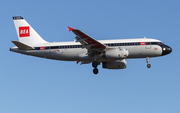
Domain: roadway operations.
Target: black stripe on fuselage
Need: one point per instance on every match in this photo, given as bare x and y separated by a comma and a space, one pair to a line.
107, 44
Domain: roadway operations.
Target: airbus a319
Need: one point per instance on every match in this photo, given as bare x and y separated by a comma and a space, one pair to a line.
111, 53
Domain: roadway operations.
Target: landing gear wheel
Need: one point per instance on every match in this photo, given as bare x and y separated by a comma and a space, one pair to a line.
94, 64
149, 65
147, 60
95, 71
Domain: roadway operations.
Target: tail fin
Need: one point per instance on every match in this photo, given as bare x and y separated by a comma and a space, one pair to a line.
26, 33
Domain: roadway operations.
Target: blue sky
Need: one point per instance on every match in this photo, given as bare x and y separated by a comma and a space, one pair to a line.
35, 85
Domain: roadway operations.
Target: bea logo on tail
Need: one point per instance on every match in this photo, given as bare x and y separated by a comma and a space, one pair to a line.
24, 31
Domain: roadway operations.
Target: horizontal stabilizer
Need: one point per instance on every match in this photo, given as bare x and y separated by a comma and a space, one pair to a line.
20, 45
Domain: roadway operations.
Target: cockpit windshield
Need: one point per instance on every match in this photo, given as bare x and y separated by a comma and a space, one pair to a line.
157, 43
160, 43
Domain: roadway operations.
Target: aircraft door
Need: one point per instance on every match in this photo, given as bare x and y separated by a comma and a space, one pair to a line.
147, 44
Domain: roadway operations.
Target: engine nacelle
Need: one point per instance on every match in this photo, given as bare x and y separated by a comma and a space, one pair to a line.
115, 53
118, 64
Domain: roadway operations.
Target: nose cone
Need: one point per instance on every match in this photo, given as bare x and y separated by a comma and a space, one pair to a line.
166, 50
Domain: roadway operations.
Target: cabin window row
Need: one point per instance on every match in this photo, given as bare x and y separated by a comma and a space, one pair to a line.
123, 44
111, 44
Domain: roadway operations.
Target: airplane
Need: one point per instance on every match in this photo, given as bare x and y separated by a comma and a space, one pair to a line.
111, 53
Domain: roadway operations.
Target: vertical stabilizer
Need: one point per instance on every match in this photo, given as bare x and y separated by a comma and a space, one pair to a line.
26, 33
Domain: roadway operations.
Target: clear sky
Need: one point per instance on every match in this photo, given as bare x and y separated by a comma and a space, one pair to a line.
35, 85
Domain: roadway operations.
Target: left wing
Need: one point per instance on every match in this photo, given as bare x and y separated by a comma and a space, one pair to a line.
87, 42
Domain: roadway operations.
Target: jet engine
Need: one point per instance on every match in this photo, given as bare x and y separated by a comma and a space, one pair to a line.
115, 53
118, 64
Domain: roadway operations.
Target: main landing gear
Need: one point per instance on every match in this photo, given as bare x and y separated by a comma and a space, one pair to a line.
95, 70
147, 60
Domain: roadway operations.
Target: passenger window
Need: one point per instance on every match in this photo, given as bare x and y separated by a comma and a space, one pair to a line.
46, 47
147, 43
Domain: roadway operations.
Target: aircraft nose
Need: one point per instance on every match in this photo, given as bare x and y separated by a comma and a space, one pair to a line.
166, 50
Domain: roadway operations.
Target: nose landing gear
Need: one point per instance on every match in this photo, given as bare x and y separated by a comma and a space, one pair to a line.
148, 65
147, 60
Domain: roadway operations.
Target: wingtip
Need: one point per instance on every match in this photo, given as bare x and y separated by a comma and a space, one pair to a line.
70, 28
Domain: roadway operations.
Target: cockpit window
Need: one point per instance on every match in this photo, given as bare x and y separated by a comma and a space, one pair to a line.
157, 43
160, 43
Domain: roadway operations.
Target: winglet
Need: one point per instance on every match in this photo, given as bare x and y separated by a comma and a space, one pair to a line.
70, 29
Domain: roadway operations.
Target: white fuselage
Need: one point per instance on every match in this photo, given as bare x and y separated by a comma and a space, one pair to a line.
73, 51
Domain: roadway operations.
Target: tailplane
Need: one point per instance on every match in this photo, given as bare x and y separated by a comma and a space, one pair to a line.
26, 33
22, 46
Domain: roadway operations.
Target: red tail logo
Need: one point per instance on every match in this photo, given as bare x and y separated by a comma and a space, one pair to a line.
24, 31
